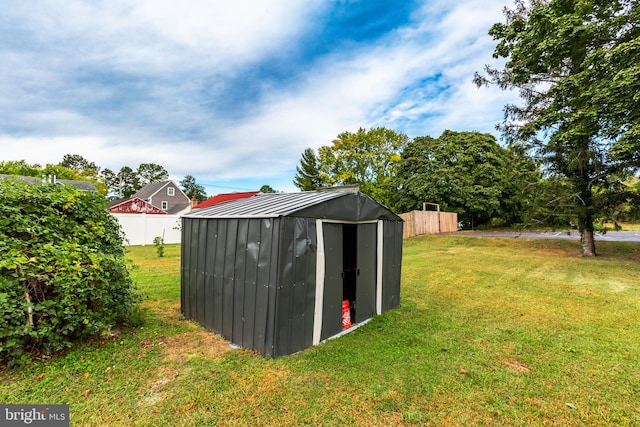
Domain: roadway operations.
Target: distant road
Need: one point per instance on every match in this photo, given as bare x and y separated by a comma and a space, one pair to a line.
619, 236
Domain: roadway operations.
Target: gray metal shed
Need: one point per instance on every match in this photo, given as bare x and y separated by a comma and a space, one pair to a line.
269, 273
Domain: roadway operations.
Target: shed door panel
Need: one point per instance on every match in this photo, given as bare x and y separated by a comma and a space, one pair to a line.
366, 279
332, 299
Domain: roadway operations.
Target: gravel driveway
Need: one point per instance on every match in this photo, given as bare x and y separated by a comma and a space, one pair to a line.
620, 236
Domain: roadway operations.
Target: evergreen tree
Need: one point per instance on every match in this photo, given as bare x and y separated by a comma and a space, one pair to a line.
191, 188
307, 173
148, 173
267, 189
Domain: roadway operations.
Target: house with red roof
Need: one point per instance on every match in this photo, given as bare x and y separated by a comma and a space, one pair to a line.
221, 198
163, 197
153, 211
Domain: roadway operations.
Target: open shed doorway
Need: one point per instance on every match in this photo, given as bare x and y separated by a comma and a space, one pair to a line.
351, 260
350, 270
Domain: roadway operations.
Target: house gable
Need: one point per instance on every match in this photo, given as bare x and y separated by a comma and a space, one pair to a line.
135, 206
164, 195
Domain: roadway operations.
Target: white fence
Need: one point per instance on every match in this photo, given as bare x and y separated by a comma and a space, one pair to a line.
141, 229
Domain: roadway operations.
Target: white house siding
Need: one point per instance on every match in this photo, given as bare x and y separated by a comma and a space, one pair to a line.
141, 229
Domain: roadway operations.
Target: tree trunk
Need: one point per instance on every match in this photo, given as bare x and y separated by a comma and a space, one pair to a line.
585, 214
588, 243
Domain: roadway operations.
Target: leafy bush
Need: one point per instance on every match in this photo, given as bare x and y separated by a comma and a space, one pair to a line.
63, 275
159, 244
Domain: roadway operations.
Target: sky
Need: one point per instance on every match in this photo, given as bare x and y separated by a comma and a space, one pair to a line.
232, 92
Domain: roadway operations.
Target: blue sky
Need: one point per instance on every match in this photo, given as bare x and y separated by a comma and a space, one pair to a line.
233, 92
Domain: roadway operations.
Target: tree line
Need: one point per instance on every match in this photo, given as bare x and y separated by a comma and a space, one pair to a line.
469, 173
123, 184
572, 151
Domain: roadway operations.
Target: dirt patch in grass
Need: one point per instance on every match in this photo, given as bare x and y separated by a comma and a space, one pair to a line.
163, 312
517, 366
154, 394
179, 348
617, 286
164, 308
195, 342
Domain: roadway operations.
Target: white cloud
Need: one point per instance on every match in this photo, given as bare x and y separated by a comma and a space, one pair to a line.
123, 83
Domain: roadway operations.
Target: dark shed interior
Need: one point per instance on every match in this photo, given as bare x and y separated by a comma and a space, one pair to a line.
271, 272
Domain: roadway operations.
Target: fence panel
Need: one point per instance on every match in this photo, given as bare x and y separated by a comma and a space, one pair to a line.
141, 229
448, 222
417, 223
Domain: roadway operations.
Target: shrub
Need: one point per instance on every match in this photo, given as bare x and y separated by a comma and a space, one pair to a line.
159, 244
63, 274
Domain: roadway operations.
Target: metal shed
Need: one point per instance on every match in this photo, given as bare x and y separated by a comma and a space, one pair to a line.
270, 273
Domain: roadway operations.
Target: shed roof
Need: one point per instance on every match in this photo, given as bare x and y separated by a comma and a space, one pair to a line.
328, 204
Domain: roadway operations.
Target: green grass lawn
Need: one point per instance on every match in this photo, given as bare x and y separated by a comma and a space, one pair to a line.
489, 332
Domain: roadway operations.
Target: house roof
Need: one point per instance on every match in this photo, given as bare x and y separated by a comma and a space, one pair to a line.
329, 204
81, 185
220, 198
28, 179
176, 209
115, 202
150, 189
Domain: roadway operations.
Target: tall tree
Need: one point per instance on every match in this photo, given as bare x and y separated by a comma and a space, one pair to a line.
577, 67
126, 179
20, 167
307, 173
86, 170
365, 158
110, 179
192, 189
80, 164
267, 189
148, 173
464, 172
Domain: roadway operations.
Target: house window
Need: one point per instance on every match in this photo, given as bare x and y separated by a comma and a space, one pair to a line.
171, 191
165, 205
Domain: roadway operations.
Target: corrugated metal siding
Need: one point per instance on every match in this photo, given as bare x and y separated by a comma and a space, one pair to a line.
332, 299
228, 278
366, 277
185, 263
392, 259
296, 286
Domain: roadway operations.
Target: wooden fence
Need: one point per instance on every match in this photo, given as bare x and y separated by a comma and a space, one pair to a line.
428, 222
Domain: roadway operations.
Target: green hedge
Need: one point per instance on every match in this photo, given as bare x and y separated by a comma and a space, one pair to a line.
63, 274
